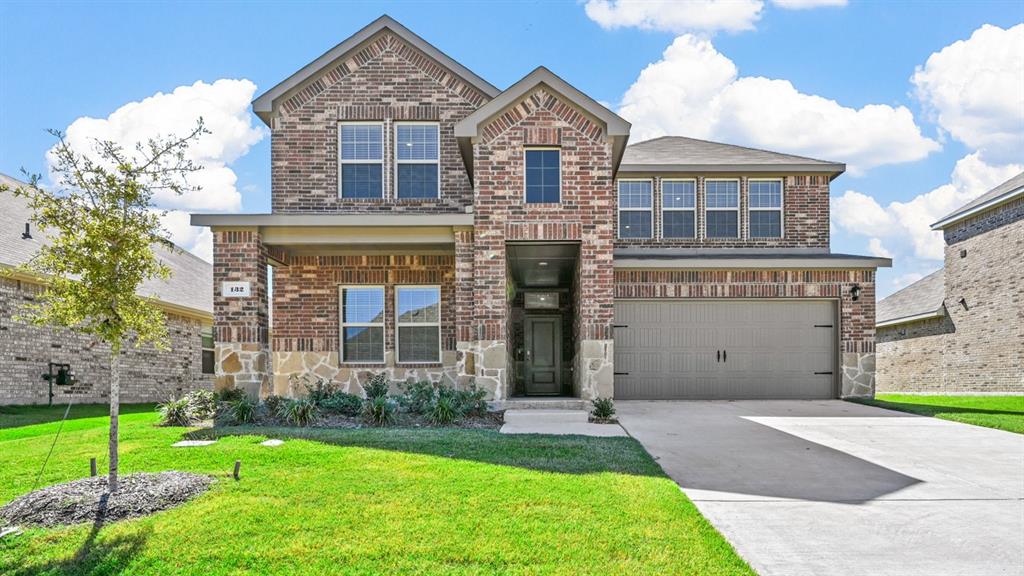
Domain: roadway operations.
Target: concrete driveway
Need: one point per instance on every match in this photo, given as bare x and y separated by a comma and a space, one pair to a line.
831, 487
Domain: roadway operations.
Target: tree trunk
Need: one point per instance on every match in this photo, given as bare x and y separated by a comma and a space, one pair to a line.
115, 393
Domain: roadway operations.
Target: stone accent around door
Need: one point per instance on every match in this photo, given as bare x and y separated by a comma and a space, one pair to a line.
595, 374
858, 375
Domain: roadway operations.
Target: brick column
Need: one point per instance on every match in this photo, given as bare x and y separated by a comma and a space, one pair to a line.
465, 336
241, 324
490, 307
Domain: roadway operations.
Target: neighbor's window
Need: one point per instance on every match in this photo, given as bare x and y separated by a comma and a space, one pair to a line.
635, 209
417, 149
362, 324
765, 208
418, 323
543, 175
722, 215
362, 160
206, 334
678, 208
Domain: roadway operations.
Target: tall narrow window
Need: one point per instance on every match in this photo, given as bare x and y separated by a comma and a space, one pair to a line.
206, 334
635, 209
543, 175
678, 208
362, 160
722, 215
765, 208
362, 324
418, 323
417, 149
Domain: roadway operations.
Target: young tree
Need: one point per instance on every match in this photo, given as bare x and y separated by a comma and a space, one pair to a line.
103, 231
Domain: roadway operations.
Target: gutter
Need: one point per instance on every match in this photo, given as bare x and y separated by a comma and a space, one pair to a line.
954, 218
907, 319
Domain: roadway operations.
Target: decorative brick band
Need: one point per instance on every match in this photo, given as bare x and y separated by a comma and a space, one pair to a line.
551, 231
541, 99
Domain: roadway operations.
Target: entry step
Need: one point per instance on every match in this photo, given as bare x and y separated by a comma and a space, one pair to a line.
516, 417
542, 404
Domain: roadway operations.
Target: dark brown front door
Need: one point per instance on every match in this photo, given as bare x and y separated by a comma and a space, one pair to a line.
543, 355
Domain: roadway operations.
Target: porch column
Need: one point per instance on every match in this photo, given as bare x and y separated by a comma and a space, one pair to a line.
490, 307
464, 313
240, 312
593, 369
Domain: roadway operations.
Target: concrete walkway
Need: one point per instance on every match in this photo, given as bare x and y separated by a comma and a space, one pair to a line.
837, 488
559, 422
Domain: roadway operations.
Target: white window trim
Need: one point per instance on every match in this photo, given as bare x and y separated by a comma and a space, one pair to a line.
397, 161
533, 148
782, 205
342, 324
667, 209
399, 324
619, 209
708, 208
383, 154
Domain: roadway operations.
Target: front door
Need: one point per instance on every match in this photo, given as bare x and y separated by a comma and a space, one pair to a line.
543, 355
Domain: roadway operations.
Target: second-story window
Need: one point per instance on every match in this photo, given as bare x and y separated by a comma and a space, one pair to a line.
543, 175
678, 208
635, 209
765, 208
722, 215
362, 160
417, 149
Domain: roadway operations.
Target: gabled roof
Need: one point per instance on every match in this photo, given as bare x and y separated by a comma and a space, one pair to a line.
263, 105
681, 154
1012, 188
922, 299
469, 127
190, 285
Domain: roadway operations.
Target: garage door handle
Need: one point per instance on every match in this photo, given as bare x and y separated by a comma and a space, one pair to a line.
620, 325
718, 356
725, 355
822, 325
822, 373
620, 373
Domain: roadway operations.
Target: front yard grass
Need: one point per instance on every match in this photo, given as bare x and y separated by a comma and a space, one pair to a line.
368, 501
1001, 412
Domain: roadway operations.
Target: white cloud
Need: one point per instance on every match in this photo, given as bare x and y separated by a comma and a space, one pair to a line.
876, 248
975, 90
224, 107
807, 4
696, 91
675, 15
910, 222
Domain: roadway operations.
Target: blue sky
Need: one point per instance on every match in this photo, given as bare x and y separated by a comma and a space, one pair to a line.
63, 61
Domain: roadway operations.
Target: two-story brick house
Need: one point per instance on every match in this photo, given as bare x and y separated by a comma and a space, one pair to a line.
427, 224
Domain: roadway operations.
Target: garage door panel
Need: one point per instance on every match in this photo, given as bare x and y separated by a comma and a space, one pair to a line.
668, 349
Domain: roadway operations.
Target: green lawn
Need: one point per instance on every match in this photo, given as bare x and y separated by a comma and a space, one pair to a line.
365, 502
1002, 412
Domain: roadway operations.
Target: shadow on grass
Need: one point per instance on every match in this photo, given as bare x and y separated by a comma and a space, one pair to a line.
111, 556
28, 415
933, 409
563, 454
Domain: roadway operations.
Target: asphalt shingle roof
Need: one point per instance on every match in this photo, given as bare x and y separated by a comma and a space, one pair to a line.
922, 297
1005, 188
190, 284
682, 150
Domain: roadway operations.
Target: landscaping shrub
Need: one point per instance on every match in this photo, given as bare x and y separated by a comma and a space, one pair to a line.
273, 404
446, 410
175, 412
318, 389
472, 402
243, 410
201, 404
229, 395
604, 408
301, 412
418, 397
342, 403
380, 411
377, 387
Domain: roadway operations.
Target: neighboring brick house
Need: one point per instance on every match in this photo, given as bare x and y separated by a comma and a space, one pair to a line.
426, 224
149, 375
961, 329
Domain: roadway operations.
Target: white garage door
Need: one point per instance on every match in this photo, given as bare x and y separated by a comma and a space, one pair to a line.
706, 349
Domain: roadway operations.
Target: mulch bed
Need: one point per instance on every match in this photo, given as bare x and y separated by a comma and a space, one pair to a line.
87, 500
489, 421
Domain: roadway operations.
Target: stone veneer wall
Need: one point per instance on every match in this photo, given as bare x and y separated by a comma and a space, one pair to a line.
985, 353
306, 318
805, 214
148, 375
857, 319
585, 215
910, 356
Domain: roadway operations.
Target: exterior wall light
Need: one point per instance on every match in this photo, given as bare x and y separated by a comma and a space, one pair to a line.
855, 292
963, 302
